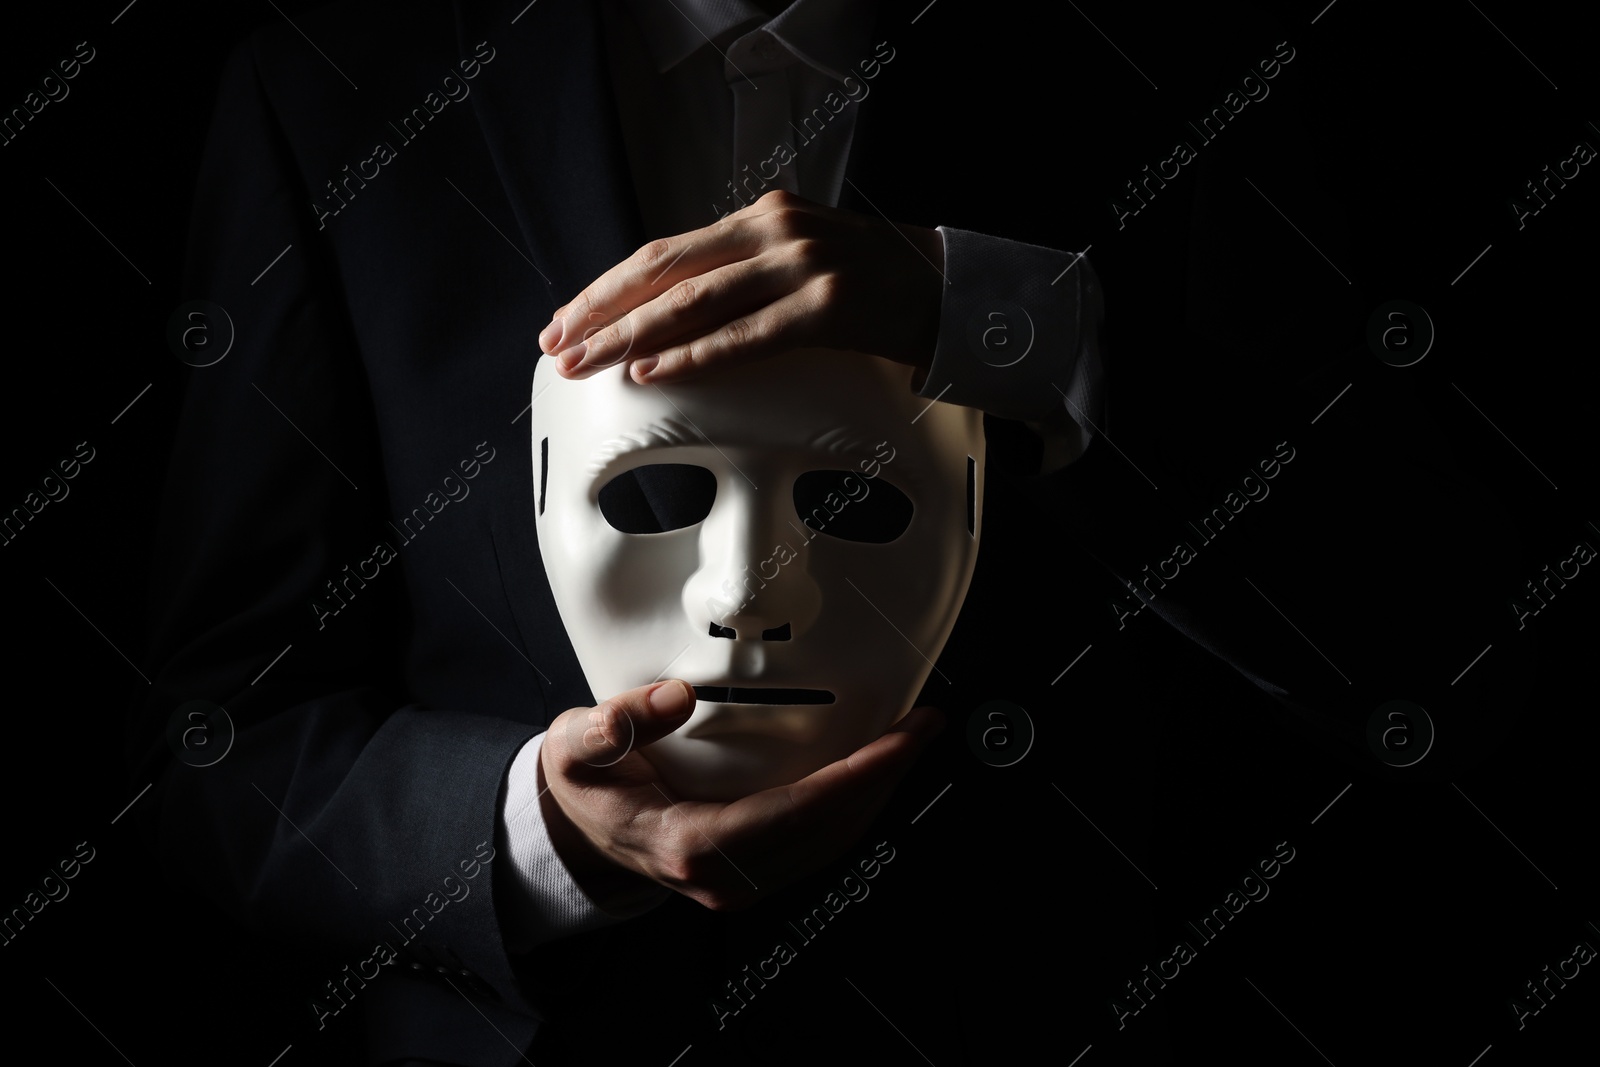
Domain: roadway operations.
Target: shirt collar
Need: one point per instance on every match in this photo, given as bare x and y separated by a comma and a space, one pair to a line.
825, 34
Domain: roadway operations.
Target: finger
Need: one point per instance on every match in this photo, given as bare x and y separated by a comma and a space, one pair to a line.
600, 303
880, 763
785, 324
693, 307
602, 736
857, 784
645, 274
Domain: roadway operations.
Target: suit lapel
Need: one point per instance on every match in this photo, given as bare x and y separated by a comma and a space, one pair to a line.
549, 119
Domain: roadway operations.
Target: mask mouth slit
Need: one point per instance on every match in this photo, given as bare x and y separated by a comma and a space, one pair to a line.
721, 694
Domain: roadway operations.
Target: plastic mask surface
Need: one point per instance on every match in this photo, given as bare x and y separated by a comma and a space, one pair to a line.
793, 537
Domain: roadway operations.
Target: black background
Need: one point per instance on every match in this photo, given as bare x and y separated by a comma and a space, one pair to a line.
1410, 921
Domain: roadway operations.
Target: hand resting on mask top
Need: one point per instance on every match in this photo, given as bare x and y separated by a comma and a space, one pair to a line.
780, 274
614, 823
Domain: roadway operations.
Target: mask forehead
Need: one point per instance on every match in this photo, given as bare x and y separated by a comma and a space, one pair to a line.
810, 401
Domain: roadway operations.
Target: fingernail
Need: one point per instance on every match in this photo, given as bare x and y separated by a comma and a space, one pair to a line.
667, 698
572, 356
643, 366
551, 336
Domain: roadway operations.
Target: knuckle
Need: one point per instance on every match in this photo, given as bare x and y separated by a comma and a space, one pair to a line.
828, 288
700, 353
806, 250
784, 221
682, 296
680, 867
779, 198
653, 254
610, 337
607, 713
742, 332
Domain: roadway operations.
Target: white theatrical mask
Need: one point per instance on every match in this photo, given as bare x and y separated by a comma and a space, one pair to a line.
776, 567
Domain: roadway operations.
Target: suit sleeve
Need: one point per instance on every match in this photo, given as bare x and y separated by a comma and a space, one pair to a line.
1019, 338
345, 813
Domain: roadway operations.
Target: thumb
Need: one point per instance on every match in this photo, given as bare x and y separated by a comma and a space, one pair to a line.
602, 735
656, 710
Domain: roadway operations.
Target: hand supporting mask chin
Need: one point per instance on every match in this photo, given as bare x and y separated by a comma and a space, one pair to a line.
793, 537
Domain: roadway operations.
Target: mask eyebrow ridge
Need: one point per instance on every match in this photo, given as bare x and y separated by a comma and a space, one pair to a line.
844, 441
667, 433
664, 433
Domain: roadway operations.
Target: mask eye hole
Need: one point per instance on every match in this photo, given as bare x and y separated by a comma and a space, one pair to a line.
846, 505
658, 497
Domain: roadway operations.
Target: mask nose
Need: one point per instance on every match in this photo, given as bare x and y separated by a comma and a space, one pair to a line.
753, 583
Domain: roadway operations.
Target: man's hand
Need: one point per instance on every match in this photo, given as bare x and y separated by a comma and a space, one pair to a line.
782, 273
614, 823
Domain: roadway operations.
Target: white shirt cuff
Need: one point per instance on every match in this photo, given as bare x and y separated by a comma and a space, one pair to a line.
549, 903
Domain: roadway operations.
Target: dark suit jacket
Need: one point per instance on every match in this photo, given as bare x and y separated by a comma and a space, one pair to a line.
392, 346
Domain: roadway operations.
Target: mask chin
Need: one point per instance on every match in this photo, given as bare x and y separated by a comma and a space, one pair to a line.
722, 756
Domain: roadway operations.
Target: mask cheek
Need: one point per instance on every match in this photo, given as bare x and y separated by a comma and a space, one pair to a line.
639, 578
